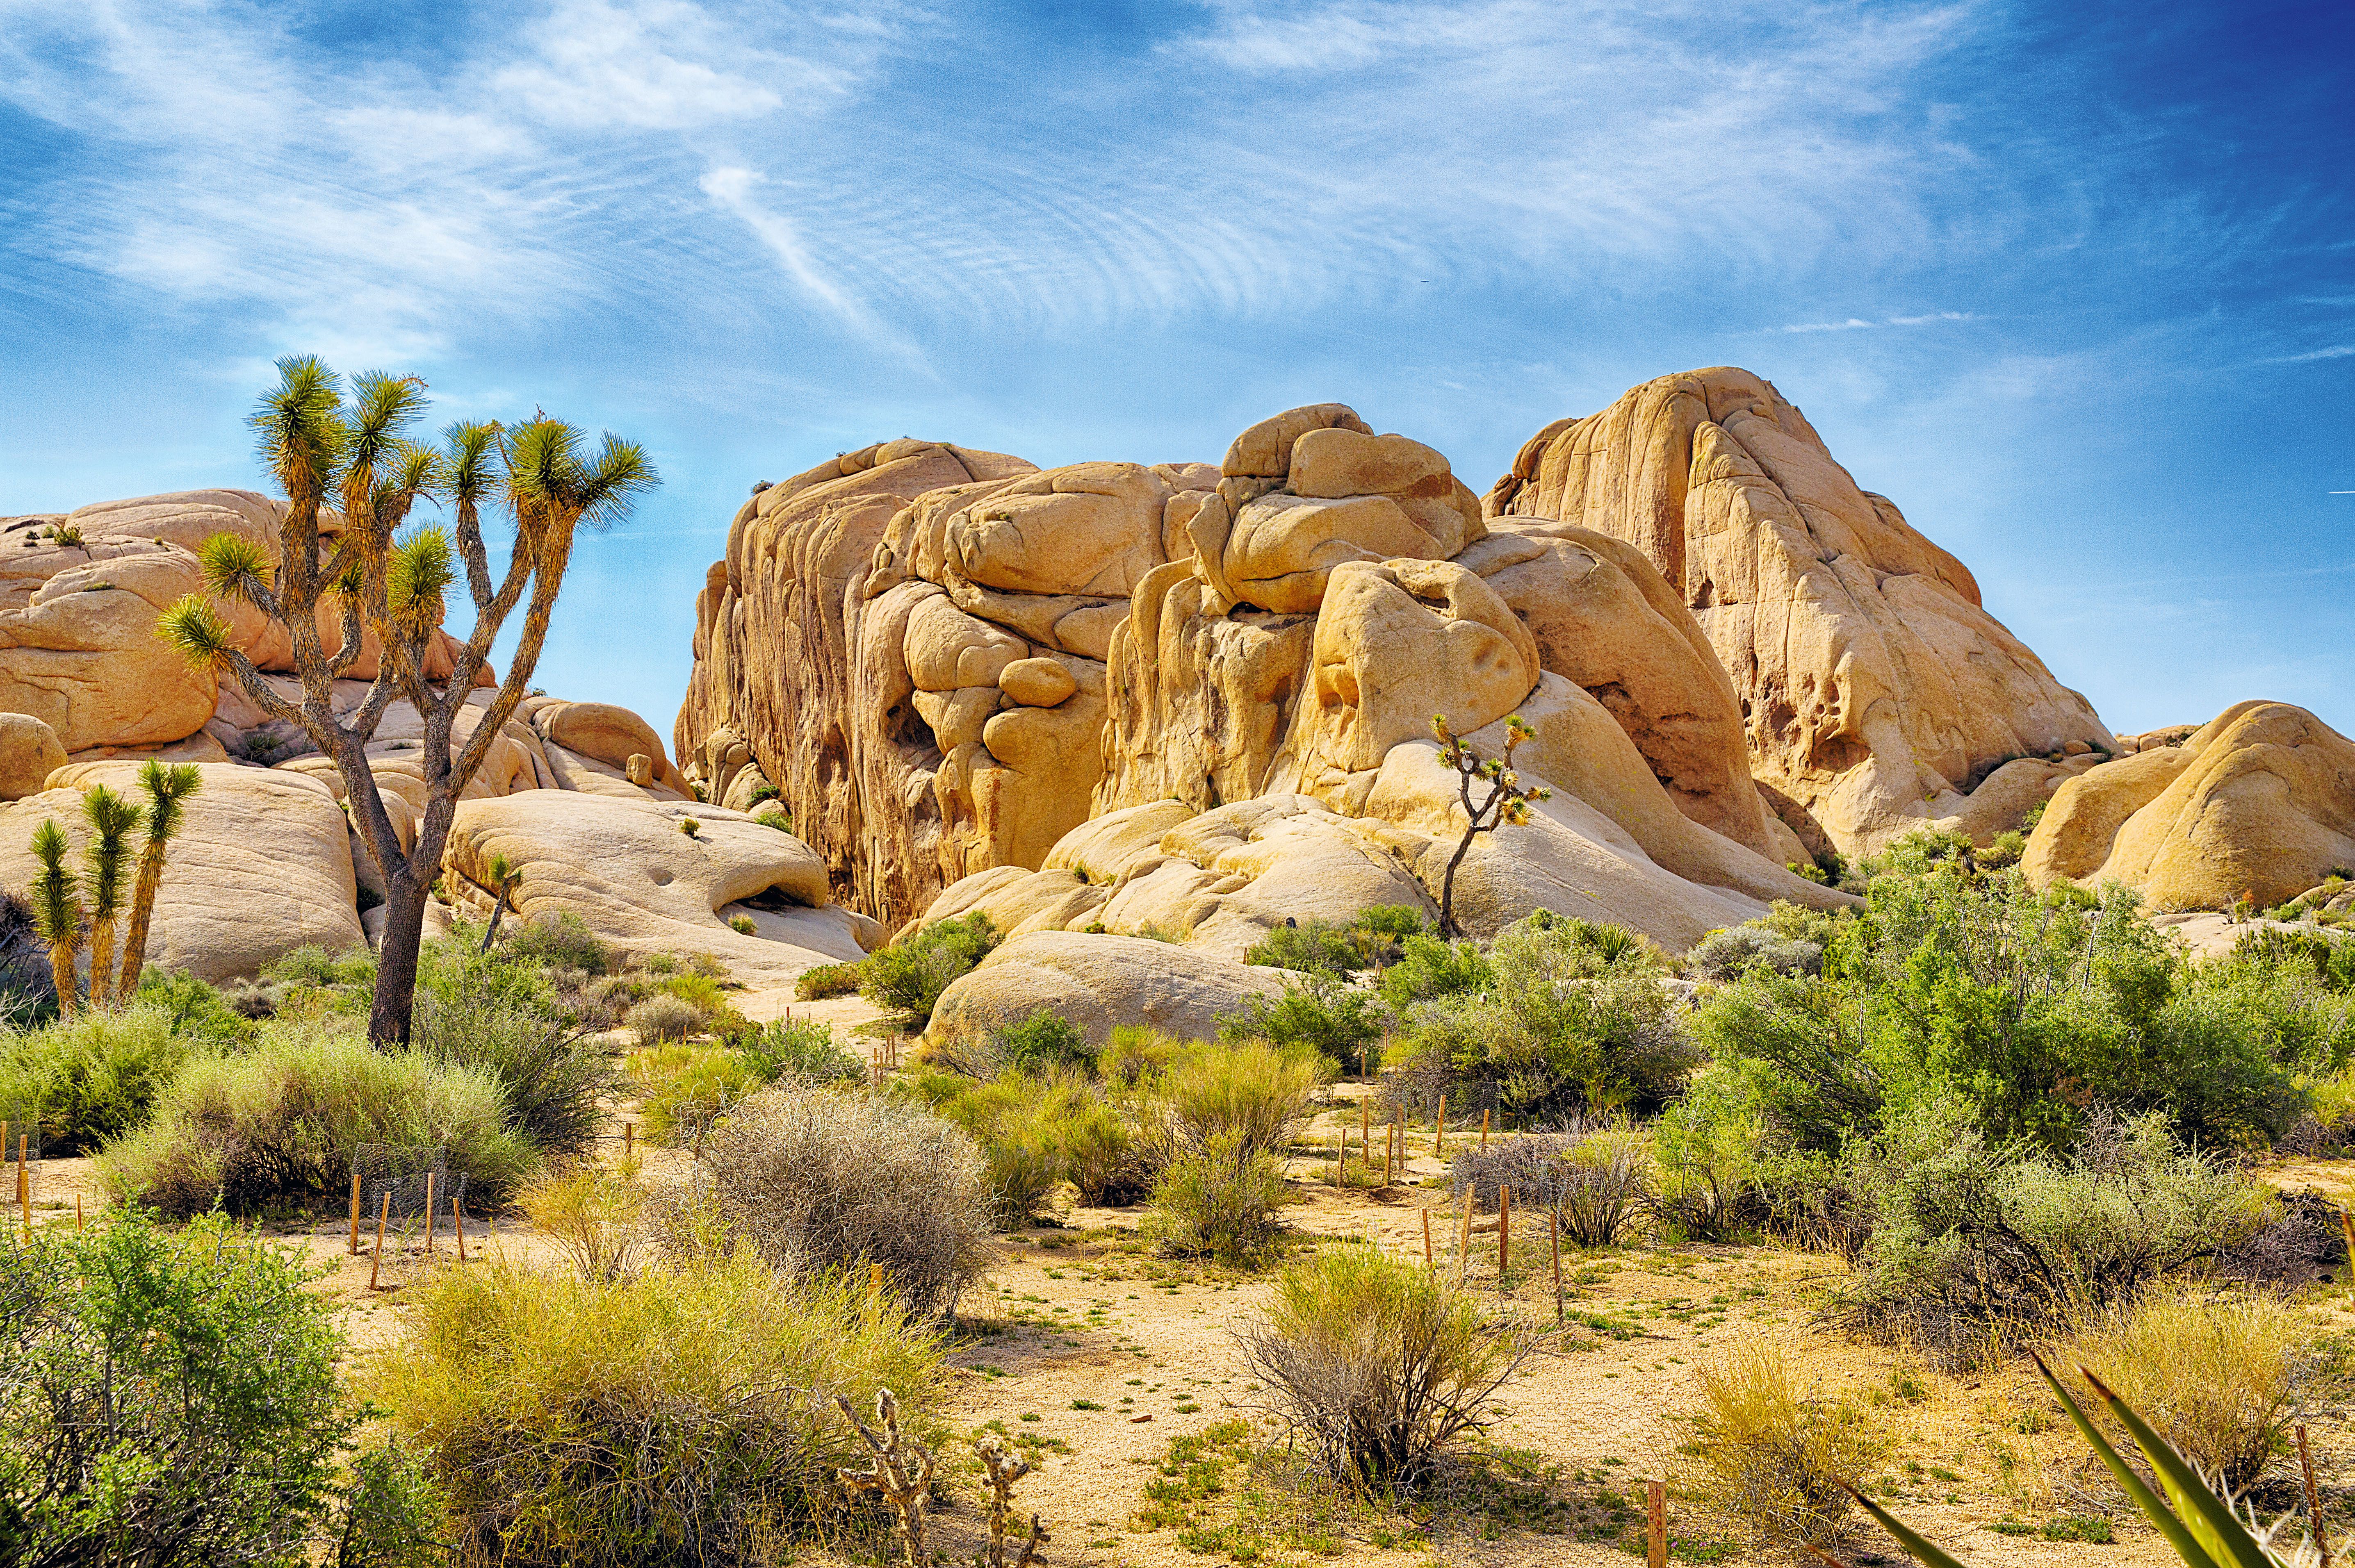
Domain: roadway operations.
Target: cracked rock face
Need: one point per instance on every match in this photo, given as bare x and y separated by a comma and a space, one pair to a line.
1876, 694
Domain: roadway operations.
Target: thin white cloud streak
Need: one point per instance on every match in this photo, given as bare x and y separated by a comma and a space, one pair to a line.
2339, 351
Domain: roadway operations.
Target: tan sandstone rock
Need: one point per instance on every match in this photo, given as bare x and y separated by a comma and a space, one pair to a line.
260, 867
1872, 681
1101, 982
30, 753
2259, 802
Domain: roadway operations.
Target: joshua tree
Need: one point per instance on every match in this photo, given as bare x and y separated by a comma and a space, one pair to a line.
167, 787
317, 445
112, 818
58, 912
1508, 799
503, 878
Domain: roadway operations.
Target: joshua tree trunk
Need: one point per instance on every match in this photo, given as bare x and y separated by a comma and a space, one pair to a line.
68, 983
142, 913
396, 957
102, 962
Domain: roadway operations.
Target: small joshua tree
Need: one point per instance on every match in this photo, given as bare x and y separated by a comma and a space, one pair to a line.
167, 786
111, 818
503, 878
1508, 800
390, 588
58, 912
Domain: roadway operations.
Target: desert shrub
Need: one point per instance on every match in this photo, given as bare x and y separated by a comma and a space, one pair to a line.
1323, 1014
741, 925
1044, 1041
556, 941
1376, 1367
1597, 1180
663, 1019
1222, 1202
663, 1416
819, 1181
600, 1218
276, 1128
684, 1088
1723, 955
197, 1011
1429, 966
1135, 1053
2219, 1378
1039, 1131
1769, 1453
1978, 1245
802, 1048
1726, 1169
173, 1399
551, 1076
1313, 944
823, 980
1527, 1165
92, 1078
909, 975
1253, 1093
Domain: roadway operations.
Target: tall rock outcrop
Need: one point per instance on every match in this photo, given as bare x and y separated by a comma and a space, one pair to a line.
1877, 695
1193, 703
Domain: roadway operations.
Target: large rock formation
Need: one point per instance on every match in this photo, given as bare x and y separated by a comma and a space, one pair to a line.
1193, 704
1877, 695
2258, 804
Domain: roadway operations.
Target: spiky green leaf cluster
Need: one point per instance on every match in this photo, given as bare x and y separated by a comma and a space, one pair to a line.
167, 786
56, 892
112, 818
234, 568
195, 632
421, 568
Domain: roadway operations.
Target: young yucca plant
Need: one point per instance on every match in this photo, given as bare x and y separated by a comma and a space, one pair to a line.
167, 787
505, 874
111, 818
2198, 1520
58, 912
1508, 799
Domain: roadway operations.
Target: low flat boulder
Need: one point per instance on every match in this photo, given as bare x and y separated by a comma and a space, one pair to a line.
1099, 982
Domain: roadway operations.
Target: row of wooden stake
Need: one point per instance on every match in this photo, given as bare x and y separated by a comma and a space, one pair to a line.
1394, 1140
384, 1217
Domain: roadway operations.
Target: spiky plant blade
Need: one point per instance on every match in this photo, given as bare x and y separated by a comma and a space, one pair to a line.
298, 428
57, 908
467, 450
166, 785
423, 566
234, 568
1922, 1550
2208, 1516
195, 632
2161, 1517
620, 473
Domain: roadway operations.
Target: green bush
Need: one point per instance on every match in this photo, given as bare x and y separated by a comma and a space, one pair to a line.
683, 1088
551, 1076
1321, 1013
197, 1010
1222, 1202
1253, 1093
1135, 1053
556, 941
1044, 1041
666, 1416
1576, 1021
1037, 1132
803, 1049
909, 975
275, 1129
93, 1078
662, 1020
1723, 955
823, 980
173, 1400
1429, 966
1368, 939
1376, 1367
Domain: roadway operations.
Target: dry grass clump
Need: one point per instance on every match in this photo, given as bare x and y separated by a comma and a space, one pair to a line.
818, 1182
2218, 1377
1375, 1366
666, 1416
599, 1217
683, 1089
1773, 1456
1253, 1093
663, 1019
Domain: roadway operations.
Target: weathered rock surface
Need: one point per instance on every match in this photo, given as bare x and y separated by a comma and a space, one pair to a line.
260, 867
1876, 692
643, 885
2259, 802
30, 753
1100, 982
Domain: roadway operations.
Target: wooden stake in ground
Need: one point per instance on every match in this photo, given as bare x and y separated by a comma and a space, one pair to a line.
458, 1223
1366, 1132
1484, 1132
1656, 1534
2313, 1498
1554, 1215
376, 1258
629, 1138
1504, 1235
353, 1249
1439, 1130
429, 1211
76, 1213
24, 1185
1429, 1265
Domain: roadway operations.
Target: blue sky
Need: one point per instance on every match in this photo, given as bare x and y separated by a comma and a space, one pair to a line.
2073, 284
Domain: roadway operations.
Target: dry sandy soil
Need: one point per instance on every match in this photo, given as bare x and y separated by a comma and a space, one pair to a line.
1105, 1353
